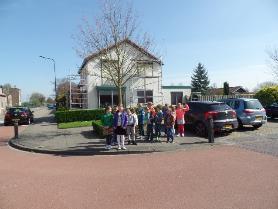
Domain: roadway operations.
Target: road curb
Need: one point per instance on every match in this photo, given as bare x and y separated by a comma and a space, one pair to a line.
14, 144
77, 152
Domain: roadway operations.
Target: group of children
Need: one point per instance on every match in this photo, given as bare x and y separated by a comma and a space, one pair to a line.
122, 123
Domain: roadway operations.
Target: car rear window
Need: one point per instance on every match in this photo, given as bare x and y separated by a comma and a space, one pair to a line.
14, 110
252, 104
219, 107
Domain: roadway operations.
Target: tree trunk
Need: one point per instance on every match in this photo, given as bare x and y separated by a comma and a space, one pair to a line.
120, 97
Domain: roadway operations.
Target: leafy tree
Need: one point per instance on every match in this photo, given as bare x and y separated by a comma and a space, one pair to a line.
199, 79
50, 100
26, 104
264, 85
267, 95
37, 99
226, 88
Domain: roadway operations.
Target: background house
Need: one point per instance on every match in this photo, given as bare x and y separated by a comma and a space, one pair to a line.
232, 90
15, 94
176, 94
3, 102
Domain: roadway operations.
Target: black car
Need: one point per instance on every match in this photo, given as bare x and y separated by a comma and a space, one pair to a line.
24, 114
224, 117
272, 110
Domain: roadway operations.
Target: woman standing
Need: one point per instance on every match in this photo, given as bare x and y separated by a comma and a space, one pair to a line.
120, 124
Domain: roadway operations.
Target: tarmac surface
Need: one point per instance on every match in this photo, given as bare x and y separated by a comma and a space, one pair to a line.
44, 137
209, 177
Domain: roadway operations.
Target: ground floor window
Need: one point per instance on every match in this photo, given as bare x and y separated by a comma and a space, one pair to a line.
144, 96
108, 98
176, 97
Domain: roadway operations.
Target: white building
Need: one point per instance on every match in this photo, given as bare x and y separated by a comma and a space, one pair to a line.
144, 87
3, 102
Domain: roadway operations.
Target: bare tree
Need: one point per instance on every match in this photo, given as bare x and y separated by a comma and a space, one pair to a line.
110, 37
264, 85
273, 55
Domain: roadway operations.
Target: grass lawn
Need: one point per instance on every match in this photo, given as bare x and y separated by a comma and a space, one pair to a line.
75, 124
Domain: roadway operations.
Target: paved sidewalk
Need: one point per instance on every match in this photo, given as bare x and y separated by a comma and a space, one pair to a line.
44, 137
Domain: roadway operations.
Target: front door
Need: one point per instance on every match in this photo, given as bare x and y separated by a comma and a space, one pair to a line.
176, 97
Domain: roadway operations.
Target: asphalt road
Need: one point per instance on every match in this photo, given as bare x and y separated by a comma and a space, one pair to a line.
226, 177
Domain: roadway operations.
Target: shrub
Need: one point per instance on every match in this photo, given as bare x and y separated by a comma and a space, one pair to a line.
98, 128
267, 95
78, 115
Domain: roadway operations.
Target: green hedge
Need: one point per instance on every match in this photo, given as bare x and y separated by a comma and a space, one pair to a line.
267, 95
78, 115
98, 128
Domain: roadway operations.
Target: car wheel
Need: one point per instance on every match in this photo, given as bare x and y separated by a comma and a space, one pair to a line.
200, 129
257, 126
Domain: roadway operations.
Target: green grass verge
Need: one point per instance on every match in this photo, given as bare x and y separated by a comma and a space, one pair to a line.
75, 124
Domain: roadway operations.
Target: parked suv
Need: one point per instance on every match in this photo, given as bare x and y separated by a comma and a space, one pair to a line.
249, 111
224, 117
24, 114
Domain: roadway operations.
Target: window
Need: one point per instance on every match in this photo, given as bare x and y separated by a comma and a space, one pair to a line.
176, 97
237, 105
145, 96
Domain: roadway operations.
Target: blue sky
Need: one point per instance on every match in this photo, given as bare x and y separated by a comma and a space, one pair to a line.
229, 37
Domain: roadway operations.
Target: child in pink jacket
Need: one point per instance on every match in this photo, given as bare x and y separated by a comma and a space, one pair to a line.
180, 112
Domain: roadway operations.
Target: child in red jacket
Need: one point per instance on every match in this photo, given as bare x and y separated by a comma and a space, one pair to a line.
180, 112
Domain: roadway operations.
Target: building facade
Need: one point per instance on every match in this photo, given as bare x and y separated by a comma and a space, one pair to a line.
15, 95
3, 102
143, 87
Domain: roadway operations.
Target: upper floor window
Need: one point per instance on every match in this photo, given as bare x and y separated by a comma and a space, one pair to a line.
145, 96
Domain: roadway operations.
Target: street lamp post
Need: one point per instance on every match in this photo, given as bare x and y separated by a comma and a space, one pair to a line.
55, 81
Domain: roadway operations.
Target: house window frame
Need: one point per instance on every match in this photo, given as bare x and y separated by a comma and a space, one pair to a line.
146, 98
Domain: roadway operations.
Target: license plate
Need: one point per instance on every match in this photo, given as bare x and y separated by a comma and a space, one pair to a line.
228, 126
259, 118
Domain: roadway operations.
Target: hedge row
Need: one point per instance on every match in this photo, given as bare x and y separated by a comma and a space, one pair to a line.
78, 115
98, 128
267, 95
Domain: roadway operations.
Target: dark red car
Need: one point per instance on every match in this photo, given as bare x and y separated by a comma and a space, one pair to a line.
24, 114
272, 110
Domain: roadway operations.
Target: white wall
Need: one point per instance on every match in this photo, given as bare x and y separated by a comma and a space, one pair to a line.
167, 93
139, 83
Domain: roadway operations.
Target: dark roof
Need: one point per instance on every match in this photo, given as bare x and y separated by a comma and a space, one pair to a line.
141, 49
220, 91
176, 87
108, 88
204, 102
